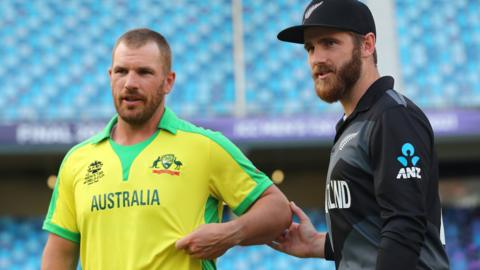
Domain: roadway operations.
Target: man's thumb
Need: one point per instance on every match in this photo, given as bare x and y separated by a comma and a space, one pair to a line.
181, 243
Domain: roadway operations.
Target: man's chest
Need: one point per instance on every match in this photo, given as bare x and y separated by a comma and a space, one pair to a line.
155, 181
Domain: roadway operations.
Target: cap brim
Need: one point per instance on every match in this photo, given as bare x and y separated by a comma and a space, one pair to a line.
295, 33
292, 34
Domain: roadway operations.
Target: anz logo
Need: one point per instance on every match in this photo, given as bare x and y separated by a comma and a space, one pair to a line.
409, 162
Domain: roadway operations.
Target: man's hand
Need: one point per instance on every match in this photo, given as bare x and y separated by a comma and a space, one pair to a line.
210, 241
301, 239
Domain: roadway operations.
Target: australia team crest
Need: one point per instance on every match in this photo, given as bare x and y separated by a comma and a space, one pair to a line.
168, 164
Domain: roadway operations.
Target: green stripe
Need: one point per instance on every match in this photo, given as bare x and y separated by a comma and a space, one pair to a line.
263, 182
212, 215
74, 237
211, 210
246, 165
53, 201
208, 265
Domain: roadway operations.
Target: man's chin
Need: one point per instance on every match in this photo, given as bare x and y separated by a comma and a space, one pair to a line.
327, 95
132, 118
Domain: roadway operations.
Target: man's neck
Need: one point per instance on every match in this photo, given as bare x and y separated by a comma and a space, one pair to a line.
367, 78
127, 134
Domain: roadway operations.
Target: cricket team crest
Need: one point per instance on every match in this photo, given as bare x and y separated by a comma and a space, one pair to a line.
94, 172
168, 164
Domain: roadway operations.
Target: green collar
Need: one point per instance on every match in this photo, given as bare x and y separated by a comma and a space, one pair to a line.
168, 122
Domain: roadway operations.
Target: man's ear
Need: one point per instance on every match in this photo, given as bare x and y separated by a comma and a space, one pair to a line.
169, 82
368, 46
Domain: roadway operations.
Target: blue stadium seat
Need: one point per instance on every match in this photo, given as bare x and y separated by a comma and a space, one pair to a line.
439, 52
55, 60
22, 241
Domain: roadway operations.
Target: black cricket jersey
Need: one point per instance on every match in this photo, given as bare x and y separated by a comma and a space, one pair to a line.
382, 204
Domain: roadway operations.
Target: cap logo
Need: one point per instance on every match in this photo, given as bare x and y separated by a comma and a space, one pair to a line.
311, 9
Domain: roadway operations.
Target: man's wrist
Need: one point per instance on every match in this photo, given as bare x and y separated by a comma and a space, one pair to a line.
236, 231
318, 245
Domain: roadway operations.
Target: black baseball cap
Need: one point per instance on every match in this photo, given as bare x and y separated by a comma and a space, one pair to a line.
349, 15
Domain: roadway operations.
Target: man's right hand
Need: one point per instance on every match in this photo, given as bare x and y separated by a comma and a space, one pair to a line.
301, 239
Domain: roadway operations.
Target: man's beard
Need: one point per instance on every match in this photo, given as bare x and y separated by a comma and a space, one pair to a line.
139, 116
338, 86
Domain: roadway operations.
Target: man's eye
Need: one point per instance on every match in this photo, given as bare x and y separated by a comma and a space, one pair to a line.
145, 72
330, 43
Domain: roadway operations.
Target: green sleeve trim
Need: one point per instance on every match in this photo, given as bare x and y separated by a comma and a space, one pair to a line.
252, 197
74, 237
208, 265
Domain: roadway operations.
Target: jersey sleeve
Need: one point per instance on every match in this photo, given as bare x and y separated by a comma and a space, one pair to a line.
233, 178
61, 216
401, 149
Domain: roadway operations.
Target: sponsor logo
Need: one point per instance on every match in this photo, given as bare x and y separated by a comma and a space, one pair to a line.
94, 172
163, 164
311, 9
337, 195
409, 162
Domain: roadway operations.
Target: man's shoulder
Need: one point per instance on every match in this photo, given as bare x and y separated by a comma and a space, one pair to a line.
393, 100
395, 108
202, 132
82, 148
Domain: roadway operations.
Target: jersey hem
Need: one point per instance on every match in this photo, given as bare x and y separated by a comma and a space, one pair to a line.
64, 233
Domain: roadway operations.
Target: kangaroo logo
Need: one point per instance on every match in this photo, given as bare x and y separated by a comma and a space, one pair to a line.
166, 161
408, 155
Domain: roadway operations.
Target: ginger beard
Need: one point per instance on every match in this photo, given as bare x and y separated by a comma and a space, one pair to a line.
144, 107
337, 85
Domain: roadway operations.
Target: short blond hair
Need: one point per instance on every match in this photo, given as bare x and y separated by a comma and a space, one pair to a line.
137, 38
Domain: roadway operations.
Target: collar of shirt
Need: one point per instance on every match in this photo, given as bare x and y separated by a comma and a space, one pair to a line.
373, 93
168, 122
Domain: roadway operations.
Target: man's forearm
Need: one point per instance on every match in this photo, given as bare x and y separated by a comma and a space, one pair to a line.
265, 220
59, 254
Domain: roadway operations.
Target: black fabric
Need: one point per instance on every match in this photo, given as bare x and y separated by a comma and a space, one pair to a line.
382, 186
349, 15
328, 249
393, 256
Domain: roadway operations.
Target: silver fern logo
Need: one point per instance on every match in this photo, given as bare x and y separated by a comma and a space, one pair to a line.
311, 9
346, 140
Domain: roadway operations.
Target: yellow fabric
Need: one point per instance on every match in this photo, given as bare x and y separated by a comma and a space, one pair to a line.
134, 224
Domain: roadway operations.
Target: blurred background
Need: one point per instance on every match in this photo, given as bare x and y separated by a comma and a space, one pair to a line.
235, 77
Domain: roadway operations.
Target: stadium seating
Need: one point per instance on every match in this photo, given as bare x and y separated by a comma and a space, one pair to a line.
55, 56
439, 47
22, 241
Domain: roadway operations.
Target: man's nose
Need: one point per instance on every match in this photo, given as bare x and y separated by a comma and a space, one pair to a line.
131, 81
317, 56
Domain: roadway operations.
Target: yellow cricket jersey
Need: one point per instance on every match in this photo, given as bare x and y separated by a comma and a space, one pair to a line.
127, 205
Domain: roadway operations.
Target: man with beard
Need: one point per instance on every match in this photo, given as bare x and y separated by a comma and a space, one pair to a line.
381, 199
148, 191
